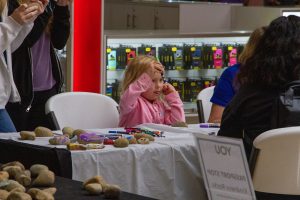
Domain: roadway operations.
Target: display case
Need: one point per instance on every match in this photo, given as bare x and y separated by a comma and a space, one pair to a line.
192, 62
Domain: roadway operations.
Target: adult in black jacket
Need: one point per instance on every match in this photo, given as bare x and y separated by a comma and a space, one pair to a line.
36, 68
276, 62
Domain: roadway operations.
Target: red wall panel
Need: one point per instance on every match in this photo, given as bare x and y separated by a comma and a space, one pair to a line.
87, 45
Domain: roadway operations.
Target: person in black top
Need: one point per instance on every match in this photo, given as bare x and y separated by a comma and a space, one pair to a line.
276, 61
36, 69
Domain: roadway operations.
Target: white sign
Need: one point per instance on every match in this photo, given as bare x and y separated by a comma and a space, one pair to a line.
291, 12
224, 168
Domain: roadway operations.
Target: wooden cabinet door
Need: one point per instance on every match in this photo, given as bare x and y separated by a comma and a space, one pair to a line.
124, 16
142, 17
117, 16
166, 17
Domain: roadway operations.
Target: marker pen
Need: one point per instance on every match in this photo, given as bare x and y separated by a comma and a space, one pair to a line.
209, 125
121, 132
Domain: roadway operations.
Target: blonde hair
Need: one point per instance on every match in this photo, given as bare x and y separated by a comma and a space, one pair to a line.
250, 47
136, 68
2, 5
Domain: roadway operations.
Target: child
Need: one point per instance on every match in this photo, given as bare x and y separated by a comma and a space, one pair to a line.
143, 86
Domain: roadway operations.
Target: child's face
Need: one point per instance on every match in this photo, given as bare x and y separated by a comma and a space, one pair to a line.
155, 91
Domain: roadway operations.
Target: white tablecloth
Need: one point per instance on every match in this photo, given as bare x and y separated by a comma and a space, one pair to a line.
165, 169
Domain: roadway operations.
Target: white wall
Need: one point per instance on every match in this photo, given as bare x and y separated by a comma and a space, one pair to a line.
250, 18
201, 18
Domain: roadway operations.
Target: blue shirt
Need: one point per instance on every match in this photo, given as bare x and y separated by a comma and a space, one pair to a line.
225, 90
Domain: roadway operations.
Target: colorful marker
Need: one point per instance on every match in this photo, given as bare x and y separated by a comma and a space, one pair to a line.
209, 125
121, 132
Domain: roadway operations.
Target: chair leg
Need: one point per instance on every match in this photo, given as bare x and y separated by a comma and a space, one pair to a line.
53, 121
200, 111
252, 159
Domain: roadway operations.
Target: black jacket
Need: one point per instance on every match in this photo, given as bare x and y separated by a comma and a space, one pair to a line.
21, 58
248, 114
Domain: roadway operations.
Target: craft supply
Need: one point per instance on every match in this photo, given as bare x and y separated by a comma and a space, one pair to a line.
94, 146
86, 138
120, 132
59, 140
112, 137
209, 125
75, 146
128, 137
143, 141
153, 133
108, 141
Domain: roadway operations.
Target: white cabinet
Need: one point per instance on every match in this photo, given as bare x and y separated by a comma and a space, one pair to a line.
128, 16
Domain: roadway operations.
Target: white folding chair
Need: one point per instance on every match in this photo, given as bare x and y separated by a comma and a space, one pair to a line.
82, 110
204, 104
277, 164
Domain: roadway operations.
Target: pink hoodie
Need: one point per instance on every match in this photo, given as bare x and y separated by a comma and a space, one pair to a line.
135, 109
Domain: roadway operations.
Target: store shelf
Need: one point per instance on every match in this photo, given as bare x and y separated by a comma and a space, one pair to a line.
187, 71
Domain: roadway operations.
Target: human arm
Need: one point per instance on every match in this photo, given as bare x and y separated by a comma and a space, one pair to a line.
40, 23
9, 30
174, 111
216, 113
128, 101
60, 28
225, 89
144, 82
223, 93
27, 26
15, 27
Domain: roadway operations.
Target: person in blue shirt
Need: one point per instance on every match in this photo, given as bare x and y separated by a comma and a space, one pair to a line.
226, 87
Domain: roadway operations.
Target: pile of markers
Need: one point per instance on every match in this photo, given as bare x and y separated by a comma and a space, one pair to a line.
145, 131
132, 131
128, 133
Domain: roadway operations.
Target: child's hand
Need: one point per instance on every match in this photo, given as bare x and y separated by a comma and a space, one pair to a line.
168, 88
155, 68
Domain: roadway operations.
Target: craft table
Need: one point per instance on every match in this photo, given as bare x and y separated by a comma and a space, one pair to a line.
165, 169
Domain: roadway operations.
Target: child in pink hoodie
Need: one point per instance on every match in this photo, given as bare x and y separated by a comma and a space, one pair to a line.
146, 98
